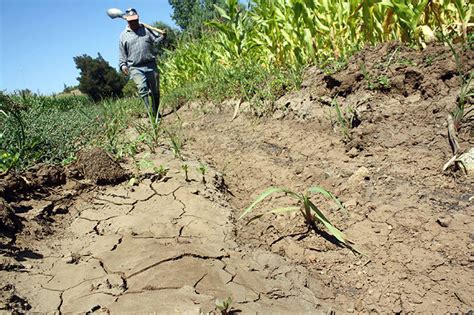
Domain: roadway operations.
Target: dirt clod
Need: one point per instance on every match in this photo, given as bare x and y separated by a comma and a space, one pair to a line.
10, 223
444, 222
11, 301
98, 166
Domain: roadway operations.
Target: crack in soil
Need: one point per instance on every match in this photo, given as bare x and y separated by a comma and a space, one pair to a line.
183, 206
175, 258
133, 203
163, 195
197, 282
118, 243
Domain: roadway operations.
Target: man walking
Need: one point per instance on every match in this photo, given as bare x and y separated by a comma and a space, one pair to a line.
137, 58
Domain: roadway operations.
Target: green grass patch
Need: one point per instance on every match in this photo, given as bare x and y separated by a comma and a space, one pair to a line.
244, 80
52, 129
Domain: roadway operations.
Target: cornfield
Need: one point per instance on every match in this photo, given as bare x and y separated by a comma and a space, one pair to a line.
294, 33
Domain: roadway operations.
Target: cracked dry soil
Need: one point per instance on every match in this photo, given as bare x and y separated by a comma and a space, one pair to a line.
174, 246
163, 246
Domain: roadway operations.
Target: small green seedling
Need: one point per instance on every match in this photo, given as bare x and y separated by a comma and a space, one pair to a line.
185, 169
202, 169
307, 208
133, 181
140, 164
224, 306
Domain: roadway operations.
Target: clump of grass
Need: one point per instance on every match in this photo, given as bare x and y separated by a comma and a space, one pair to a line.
10, 111
310, 212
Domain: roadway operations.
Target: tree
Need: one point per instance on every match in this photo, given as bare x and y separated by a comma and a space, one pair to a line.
190, 15
97, 78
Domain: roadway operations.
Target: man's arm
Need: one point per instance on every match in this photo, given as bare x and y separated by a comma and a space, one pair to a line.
157, 38
123, 58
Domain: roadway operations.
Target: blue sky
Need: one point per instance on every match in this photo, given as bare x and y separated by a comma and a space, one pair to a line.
39, 38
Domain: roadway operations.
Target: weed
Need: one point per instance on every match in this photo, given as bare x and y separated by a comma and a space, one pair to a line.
161, 171
141, 164
367, 77
345, 120
383, 82
332, 67
224, 306
409, 62
310, 212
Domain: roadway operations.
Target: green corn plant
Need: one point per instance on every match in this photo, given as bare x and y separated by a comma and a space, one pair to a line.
294, 33
310, 212
407, 16
464, 10
233, 31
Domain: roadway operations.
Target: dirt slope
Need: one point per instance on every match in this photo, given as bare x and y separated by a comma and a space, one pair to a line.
170, 245
414, 222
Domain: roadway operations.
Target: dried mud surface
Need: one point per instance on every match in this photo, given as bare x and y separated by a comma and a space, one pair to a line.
172, 245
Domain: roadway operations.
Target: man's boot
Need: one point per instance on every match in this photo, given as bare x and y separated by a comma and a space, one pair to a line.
146, 100
154, 107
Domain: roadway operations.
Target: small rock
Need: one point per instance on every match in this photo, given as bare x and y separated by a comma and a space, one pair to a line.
279, 114
397, 309
352, 203
73, 258
359, 305
311, 258
353, 153
359, 176
444, 222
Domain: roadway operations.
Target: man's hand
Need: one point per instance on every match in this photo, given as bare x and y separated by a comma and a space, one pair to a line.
125, 70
